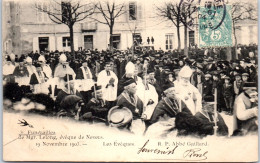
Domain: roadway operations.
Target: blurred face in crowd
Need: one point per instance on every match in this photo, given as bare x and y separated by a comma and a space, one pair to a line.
151, 75
170, 77
209, 108
131, 89
107, 67
242, 63
244, 78
85, 64
99, 94
181, 63
138, 61
235, 73
170, 93
146, 62
227, 81
184, 80
38, 69
238, 78
206, 78
253, 95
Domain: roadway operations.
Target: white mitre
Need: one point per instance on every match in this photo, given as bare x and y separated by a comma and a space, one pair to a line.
129, 68
185, 72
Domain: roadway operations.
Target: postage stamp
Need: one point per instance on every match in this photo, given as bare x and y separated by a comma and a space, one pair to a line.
215, 26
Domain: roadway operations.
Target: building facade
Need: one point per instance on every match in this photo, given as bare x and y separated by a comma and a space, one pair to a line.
25, 29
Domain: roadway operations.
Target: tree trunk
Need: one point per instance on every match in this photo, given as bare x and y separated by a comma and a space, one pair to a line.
72, 41
179, 38
111, 39
185, 41
235, 37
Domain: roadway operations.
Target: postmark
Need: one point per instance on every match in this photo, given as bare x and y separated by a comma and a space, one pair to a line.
215, 25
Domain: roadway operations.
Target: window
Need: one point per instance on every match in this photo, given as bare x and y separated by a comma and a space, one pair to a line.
41, 16
116, 41
132, 11
191, 38
65, 41
169, 41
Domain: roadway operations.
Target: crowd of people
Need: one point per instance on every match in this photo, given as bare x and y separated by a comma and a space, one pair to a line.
136, 92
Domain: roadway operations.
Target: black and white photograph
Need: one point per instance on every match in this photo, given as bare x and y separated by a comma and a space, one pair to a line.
130, 80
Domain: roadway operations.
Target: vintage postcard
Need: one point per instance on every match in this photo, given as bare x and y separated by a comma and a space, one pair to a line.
130, 80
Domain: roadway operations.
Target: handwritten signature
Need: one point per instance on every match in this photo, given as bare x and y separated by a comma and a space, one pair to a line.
195, 154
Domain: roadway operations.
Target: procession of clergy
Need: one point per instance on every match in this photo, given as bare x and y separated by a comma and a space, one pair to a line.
147, 95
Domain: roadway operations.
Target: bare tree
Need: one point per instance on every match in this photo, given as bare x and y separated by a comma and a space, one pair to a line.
180, 13
187, 18
67, 12
242, 11
110, 11
172, 11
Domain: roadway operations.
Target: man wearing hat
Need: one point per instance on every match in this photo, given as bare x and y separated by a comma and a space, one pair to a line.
21, 73
109, 82
218, 84
121, 66
131, 72
61, 70
45, 67
97, 105
207, 118
228, 94
198, 77
151, 80
245, 77
31, 69
69, 89
207, 88
38, 81
130, 100
8, 69
168, 106
187, 92
85, 80
71, 107
238, 85
246, 111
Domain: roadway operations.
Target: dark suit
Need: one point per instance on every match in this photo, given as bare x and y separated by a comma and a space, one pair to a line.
167, 109
136, 107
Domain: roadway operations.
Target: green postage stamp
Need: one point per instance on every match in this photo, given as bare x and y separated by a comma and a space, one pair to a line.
215, 26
